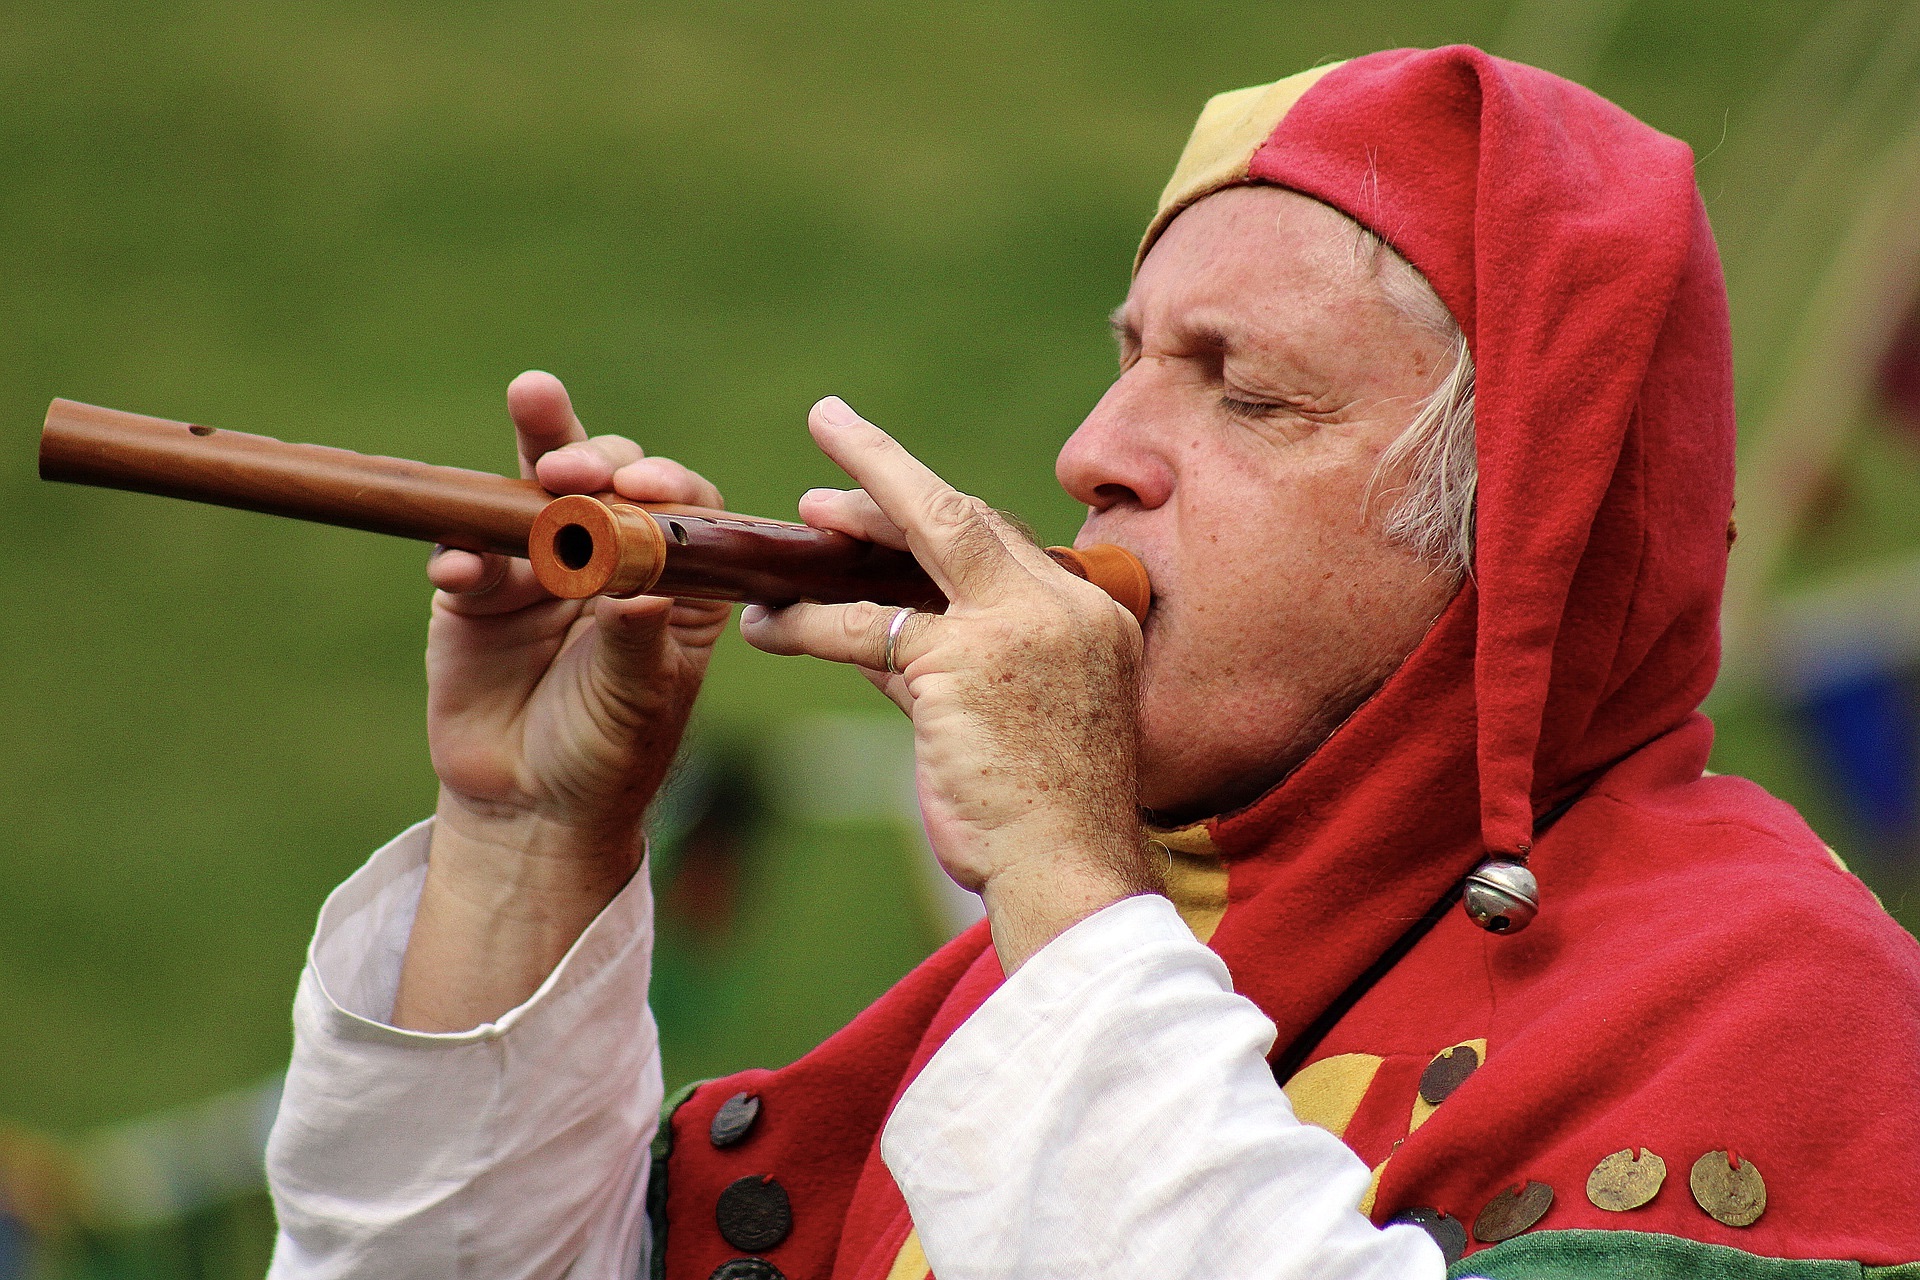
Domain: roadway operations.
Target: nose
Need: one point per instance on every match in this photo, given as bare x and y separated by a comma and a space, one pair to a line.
1113, 459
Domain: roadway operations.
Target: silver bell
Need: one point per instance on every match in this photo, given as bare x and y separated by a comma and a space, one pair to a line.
1502, 896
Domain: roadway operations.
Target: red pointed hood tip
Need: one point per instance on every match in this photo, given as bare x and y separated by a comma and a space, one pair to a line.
1570, 243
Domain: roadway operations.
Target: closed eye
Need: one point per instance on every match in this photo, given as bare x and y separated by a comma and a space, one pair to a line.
1251, 410
1126, 339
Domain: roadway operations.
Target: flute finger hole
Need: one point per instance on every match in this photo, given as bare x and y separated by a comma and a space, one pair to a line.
679, 532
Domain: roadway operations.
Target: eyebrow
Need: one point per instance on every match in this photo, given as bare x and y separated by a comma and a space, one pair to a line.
1205, 335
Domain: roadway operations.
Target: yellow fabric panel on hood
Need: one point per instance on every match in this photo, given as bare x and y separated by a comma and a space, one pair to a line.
1230, 129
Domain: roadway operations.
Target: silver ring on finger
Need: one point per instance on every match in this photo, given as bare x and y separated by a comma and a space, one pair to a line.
891, 653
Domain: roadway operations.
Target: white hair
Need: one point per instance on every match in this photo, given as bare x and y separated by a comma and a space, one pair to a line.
1430, 471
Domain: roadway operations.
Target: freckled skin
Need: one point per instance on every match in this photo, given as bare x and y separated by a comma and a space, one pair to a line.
1278, 607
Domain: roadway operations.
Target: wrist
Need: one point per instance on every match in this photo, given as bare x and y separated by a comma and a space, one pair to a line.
506, 896
528, 859
1031, 902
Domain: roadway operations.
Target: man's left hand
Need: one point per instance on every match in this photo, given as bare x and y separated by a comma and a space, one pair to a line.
1023, 694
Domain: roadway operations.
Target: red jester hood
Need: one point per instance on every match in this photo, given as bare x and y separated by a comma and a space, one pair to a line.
1568, 240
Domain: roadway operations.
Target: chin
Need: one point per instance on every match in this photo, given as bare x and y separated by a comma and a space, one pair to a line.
1171, 788
1166, 751
1200, 756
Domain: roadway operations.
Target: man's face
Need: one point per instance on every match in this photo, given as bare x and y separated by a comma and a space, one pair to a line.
1263, 372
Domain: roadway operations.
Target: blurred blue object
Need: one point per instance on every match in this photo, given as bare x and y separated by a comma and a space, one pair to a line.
16, 1247
1867, 729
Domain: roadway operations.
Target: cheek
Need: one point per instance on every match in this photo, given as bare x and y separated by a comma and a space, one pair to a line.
1274, 584
1261, 533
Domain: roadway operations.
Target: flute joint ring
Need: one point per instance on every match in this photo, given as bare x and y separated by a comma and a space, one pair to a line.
891, 652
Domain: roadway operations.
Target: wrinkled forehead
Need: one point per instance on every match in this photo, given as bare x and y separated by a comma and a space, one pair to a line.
1262, 252
1220, 152
1269, 279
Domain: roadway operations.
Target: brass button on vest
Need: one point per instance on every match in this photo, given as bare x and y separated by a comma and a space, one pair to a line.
1620, 1182
1511, 1212
1447, 1072
1730, 1189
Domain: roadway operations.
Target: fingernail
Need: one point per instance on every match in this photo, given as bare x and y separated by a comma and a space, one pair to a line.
752, 614
835, 413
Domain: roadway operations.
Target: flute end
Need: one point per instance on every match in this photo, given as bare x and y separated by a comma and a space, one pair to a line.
580, 547
1114, 570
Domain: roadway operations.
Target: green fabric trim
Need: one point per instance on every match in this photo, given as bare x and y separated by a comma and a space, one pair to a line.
657, 1178
1646, 1255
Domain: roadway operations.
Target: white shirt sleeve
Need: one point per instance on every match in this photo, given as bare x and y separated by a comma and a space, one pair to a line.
518, 1148
1110, 1112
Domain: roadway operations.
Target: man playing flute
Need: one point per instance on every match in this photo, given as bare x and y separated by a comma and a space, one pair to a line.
1424, 429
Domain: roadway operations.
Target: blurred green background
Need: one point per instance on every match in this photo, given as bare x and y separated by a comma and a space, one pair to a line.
353, 223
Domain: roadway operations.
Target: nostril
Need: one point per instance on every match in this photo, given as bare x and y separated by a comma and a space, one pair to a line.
1113, 495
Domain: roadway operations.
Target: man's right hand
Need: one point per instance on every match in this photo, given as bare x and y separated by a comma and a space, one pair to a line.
552, 724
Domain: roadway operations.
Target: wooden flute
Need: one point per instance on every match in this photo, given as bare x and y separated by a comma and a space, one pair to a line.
579, 546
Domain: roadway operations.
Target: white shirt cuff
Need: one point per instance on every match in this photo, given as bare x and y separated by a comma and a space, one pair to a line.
518, 1147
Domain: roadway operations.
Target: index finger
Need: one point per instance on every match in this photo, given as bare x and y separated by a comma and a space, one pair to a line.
543, 417
956, 538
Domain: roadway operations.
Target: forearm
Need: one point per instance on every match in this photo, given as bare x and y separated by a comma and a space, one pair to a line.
504, 898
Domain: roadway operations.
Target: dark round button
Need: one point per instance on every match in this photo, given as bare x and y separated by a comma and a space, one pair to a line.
747, 1269
1446, 1231
1448, 1070
734, 1120
753, 1214
1512, 1211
